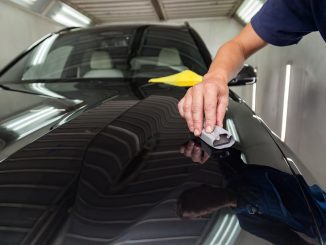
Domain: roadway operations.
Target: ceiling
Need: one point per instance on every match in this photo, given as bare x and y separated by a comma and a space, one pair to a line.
104, 11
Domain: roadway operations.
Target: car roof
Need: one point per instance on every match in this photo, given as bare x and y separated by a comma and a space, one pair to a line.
101, 28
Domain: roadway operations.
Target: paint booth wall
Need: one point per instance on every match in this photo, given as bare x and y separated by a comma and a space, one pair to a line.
19, 29
214, 31
306, 120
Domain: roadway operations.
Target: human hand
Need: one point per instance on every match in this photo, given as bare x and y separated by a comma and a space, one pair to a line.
208, 99
195, 152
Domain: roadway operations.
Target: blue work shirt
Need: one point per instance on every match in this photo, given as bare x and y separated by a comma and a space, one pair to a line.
285, 22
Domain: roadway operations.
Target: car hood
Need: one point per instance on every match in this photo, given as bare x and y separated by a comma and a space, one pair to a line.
126, 170
65, 100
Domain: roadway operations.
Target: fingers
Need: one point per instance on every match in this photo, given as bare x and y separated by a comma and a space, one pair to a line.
180, 107
197, 109
198, 155
210, 105
189, 149
187, 105
195, 152
221, 109
209, 100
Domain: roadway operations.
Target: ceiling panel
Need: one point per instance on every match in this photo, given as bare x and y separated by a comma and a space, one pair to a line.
116, 10
102, 11
197, 8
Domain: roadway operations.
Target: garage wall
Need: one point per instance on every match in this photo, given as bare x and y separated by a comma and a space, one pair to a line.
306, 134
214, 31
19, 29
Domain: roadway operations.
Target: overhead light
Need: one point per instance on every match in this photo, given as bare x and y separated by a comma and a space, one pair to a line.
254, 92
286, 99
29, 2
64, 20
248, 9
67, 10
25, 3
68, 16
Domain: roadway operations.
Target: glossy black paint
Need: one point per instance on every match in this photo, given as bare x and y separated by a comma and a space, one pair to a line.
117, 165
115, 173
71, 97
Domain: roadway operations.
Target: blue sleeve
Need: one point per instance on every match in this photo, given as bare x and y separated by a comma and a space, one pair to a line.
284, 22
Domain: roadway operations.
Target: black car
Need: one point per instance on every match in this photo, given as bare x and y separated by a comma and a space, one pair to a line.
91, 153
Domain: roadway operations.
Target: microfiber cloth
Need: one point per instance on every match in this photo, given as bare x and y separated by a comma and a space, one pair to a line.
218, 139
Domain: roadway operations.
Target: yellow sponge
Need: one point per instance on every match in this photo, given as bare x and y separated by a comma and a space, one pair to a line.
185, 78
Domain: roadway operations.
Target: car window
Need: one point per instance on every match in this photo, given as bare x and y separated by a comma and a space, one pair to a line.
166, 51
52, 67
113, 52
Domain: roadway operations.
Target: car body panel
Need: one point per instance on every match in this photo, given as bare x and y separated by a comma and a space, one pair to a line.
120, 168
113, 166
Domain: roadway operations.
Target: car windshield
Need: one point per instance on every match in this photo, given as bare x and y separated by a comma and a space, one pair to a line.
111, 52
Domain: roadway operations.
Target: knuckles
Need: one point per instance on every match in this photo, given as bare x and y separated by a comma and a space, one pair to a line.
208, 85
209, 107
192, 112
223, 90
197, 121
196, 109
186, 107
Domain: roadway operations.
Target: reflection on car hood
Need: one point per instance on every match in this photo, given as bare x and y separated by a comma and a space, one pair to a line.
118, 174
58, 102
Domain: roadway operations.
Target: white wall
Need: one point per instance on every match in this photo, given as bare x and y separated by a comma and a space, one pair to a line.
19, 29
306, 133
214, 31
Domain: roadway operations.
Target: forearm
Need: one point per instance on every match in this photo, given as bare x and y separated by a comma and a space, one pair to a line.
227, 63
209, 99
231, 56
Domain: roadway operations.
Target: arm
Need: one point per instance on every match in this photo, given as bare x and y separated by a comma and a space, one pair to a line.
209, 98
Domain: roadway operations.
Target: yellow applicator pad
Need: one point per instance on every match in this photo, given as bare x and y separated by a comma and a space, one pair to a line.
185, 78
